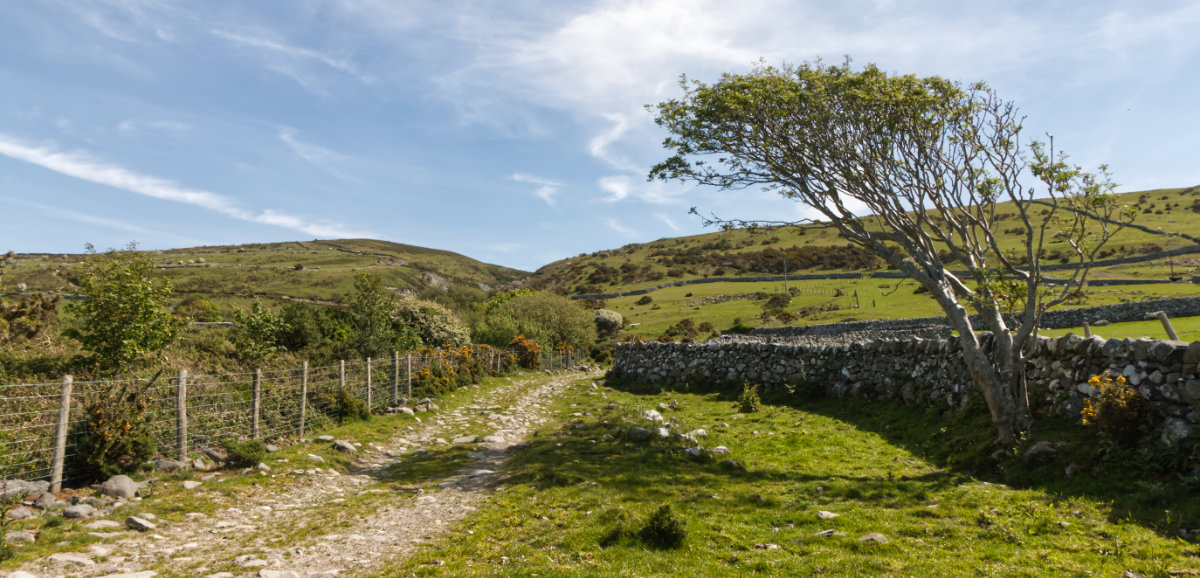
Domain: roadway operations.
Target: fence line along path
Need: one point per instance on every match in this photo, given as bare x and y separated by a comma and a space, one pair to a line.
41, 424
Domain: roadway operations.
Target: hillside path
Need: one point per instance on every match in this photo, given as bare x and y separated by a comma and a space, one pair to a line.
322, 523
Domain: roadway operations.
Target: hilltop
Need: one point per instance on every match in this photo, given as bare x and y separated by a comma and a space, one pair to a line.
320, 271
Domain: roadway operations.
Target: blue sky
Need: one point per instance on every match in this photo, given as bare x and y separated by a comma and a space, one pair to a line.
513, 132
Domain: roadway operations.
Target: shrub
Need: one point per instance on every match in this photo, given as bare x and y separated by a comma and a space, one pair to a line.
1118, 410
349, 407
528, 352
115, 438
198, 309
663, 530
245, 454
258, 333
433, 322
608, 323
645, 300
748, 401
544, 317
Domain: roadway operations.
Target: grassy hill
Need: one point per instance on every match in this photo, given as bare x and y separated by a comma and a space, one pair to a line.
320, 271
737, 256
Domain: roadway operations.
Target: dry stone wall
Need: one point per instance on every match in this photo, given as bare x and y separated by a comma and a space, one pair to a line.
931, 371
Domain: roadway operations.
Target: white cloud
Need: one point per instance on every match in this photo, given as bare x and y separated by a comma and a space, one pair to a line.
78, 217
621, 187
618, 227
670, 223
81, 167
128, 127
296, 61
546, 189
312, 153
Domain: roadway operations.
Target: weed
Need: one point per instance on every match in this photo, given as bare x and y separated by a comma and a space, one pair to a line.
1118, 411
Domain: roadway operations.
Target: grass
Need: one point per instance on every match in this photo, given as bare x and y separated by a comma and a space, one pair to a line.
1188, 329
574, 498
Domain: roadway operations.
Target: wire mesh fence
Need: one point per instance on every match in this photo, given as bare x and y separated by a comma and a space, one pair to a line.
188, 413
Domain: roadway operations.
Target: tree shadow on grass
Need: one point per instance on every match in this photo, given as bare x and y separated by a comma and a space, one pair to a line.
1148, 486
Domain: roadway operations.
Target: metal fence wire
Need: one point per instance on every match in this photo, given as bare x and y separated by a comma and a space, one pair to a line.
186, 414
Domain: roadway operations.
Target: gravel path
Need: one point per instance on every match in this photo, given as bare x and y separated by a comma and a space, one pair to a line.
322, 523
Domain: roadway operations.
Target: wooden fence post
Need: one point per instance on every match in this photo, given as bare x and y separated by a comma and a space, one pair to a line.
303, 397
368, 385
341, 374
1166, 322
60, 436
395, 377
1087, 329
257, 404
408, 374
181, 424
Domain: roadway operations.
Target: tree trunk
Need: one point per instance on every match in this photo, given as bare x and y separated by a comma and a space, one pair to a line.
1002, 382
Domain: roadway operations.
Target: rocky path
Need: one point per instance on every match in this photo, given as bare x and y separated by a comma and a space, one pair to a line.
322, 523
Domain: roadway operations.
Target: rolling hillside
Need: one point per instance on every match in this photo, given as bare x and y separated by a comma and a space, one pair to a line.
320, 271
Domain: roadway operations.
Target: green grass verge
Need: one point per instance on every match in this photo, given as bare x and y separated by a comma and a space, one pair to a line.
577, 495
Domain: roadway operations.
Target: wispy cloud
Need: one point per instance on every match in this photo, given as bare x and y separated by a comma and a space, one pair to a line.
546, 188
84, 168
314, 154
128, 127
618, 227
78, 217
621, 187
294, 61
667, 220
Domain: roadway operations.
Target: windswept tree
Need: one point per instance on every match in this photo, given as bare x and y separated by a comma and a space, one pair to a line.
915, 170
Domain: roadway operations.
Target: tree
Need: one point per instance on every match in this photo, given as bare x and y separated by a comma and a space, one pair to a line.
915, 170
124, 316
434, 323
377, 329
258, 333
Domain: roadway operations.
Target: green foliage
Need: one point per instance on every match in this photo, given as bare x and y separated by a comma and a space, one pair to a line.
258, 332
528, 352
198, 308
663, 530
125, 315
115, 437
645, 300
434, 323
245, 454
544, 317
349, 407
377, 330
319, 332
748, 401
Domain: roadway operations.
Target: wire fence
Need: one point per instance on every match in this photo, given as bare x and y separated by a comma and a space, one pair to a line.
41, 424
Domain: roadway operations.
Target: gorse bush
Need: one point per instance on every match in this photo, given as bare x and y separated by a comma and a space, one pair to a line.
115, 437
663, 530
1118, 410
528, 352
748, 400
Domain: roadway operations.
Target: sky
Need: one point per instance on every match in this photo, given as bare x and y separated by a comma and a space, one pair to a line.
514, 132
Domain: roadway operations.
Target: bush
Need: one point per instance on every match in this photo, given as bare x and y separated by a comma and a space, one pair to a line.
544, 317
528, 352
748, 401
349, 407
433, 322
258, 333
116, 438
198, 309
608, 323
663, 530
645, 300
1118, 410
244, 454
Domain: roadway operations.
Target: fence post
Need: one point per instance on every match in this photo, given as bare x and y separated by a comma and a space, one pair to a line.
303, 397
1166, 321
1087, 329
181, 424
395, 377
60, 436
254, 430
368, 385
341, 374
408, 375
